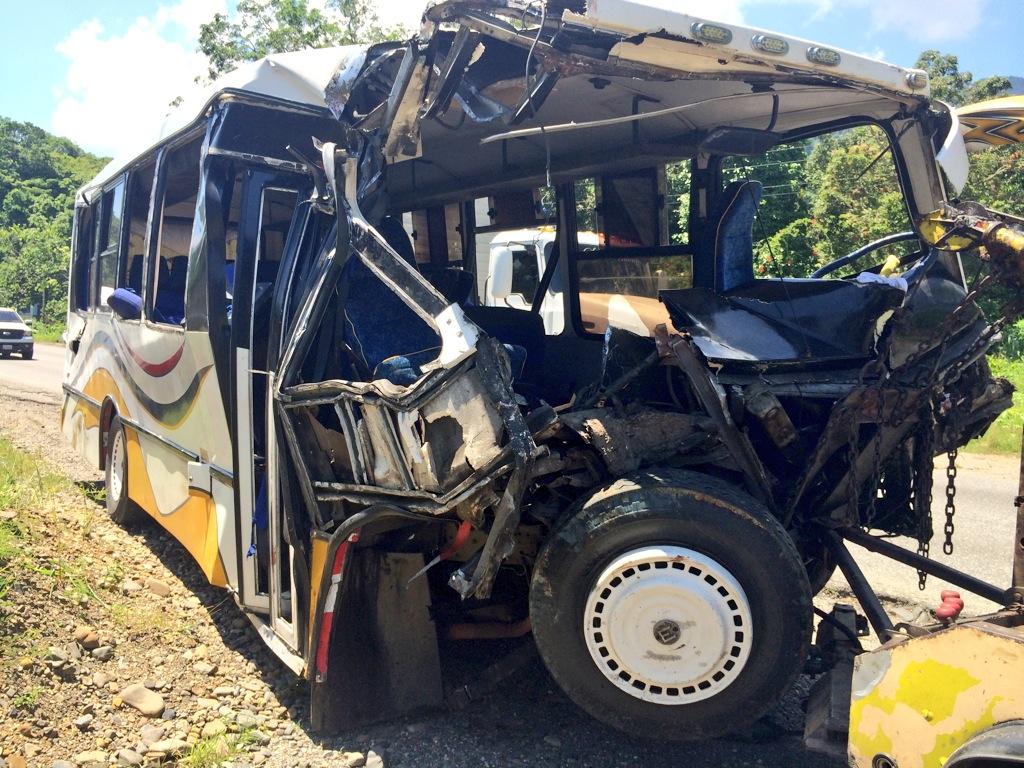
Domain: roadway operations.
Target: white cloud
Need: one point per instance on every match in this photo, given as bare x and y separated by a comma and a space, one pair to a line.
117, 87
925, 21
874, 53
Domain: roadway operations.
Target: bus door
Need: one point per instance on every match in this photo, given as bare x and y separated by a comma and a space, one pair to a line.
267, 203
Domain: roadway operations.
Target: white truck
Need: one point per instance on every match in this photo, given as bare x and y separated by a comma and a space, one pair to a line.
621, 294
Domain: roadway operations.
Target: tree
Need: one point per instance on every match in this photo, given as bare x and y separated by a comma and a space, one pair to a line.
262, 27
954, 87
39, 175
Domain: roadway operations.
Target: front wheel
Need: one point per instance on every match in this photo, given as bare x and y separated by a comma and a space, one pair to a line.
27, 354
119, 506
672, 605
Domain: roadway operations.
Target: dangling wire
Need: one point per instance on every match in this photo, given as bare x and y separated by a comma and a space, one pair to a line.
526, 92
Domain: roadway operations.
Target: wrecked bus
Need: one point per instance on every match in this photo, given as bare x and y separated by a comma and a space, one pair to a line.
280, 346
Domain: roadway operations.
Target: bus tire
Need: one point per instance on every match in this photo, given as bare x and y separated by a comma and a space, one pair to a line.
119, 506
672, 605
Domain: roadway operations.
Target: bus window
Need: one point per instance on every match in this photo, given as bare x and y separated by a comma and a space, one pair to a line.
82, 256
177, 212
137, 216
108, 242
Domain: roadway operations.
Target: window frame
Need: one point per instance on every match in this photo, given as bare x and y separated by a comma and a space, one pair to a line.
83, 243
151, 261
134, 175
897, 158
566, 200
112, 248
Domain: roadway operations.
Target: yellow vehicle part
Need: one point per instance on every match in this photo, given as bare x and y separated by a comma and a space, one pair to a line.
934, 227
917, 701
992, 123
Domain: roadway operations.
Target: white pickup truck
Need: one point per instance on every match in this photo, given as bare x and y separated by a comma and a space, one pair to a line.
622, 293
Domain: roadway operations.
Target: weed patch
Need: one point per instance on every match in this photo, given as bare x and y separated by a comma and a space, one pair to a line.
1005, 433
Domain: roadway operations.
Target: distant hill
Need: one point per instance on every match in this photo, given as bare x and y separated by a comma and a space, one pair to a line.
1016, 84
39, 174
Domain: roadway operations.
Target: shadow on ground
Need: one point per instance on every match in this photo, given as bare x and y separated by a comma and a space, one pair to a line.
526, 721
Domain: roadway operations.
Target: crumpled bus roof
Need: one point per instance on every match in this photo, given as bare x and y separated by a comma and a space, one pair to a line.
992, 123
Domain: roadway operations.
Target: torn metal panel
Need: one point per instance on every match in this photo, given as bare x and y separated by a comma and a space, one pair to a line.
389, 466
477, 439
628, 441
464, 48
713, 399
497, 379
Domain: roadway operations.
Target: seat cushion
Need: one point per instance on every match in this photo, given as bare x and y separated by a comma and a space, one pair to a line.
734, 235
517, 328
783, 321
404, 370
378, 324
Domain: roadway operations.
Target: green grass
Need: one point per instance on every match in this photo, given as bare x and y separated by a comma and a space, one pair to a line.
27, 701
25, 481
1005, 433
210, 753
47, 331
31, 494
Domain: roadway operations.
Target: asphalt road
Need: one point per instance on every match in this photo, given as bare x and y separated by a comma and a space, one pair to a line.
42, 374
982, 542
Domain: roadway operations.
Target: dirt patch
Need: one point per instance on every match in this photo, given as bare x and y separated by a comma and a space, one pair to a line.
97, 617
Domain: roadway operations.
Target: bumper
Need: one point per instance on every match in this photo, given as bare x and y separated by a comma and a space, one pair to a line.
16, 345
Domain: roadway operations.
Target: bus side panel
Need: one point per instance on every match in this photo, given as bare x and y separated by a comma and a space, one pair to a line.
156, 483
162, 380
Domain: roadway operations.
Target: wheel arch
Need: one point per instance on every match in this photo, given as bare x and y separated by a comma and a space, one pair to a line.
108, 410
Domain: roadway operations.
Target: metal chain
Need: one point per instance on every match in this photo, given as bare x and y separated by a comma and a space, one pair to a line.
948, 528
923, 477
922, 487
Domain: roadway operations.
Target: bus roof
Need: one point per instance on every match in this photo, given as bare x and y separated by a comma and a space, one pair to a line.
664, 37
653, 36
300, 77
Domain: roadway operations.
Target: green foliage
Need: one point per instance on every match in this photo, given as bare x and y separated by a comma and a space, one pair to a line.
39, 175
1005, 433
954, 87
28, 700
823, 198
262, 27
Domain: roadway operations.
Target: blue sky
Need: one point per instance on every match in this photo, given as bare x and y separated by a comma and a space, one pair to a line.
102, 72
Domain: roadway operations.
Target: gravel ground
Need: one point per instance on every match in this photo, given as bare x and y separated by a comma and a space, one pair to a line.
173, 637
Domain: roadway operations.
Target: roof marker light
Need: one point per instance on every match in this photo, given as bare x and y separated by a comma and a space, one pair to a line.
917, 79
711, 33
818, 55
768, 44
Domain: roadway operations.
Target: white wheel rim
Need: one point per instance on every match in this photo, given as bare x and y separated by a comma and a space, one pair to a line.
117, 467
668, 625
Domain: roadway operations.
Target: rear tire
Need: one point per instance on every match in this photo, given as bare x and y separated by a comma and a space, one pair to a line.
120, 507
672, 605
